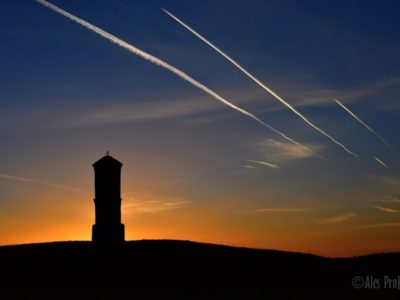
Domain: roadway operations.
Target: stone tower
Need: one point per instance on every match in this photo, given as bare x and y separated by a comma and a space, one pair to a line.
108, 227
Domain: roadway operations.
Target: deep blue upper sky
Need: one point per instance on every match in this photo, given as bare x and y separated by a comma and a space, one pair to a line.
55, 73
341, 44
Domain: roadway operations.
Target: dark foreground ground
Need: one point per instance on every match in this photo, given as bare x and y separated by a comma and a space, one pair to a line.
188, 270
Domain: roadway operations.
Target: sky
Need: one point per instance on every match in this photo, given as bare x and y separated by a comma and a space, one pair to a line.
194, 168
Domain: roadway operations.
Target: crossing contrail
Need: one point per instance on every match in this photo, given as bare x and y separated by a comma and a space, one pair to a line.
263, 163
280, 99
362, 123
381, 162
167, 66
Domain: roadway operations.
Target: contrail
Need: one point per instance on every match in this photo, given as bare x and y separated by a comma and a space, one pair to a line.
44, 183
381, 162
263, 163
362, 122
259, 83
167, 66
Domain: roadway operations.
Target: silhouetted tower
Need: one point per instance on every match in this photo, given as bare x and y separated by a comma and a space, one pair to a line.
108, 227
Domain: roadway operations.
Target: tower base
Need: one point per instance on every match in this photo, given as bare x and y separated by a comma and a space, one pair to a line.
108, 234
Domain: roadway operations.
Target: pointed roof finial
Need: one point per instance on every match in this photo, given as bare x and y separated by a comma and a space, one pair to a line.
107, 153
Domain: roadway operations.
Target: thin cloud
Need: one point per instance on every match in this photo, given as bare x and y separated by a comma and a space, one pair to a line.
263, 163
391, 199
148, 111
383, 225
337, 219
262, 85
249, 167
364, 124
155, 60
390, 181
305, 92
137, 205
131, 204
282, 151
41, 182
188, 109
283, 209
372, 89
386, 199
386, 209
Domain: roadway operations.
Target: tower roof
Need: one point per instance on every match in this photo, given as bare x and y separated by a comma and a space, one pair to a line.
107, 160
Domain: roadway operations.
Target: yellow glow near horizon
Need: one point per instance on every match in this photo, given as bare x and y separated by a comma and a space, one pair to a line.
154, 207
65, 220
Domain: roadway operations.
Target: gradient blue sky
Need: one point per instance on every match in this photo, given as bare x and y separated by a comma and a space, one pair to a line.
67, 95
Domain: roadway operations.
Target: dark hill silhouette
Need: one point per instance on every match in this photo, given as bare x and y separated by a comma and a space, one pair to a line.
165, 269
